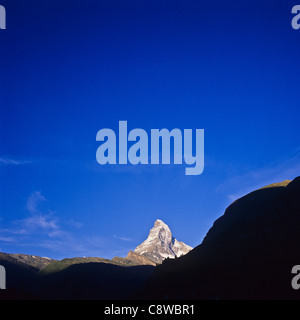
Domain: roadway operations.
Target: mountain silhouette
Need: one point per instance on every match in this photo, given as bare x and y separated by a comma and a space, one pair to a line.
72, 279
34, 277
92, 281
247, 254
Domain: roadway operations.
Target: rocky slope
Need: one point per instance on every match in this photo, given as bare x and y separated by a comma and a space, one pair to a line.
30, 260
134, 259
161, 244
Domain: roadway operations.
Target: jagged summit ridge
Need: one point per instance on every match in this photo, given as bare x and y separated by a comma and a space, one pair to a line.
161, 244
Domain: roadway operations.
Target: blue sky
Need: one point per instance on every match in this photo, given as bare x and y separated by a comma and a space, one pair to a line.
71, 68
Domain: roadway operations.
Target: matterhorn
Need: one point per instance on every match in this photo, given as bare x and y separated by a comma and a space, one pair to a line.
161, 244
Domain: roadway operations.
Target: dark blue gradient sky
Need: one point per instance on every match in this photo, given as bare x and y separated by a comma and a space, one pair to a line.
71, 68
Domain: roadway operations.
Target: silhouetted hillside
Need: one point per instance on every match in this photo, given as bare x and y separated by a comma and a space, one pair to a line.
247, 254
20, 278
77, 278
93, 281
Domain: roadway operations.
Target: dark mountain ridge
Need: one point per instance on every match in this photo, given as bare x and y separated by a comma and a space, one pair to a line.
76, 278
247, 254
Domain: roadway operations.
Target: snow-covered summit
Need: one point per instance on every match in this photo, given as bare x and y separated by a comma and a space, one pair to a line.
161, 244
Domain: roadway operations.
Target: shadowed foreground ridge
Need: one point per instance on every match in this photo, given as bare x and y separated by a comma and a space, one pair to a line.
65, 281
247, 254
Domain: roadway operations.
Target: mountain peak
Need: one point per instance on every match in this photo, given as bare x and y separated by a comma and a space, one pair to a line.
159, 223
161, 244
